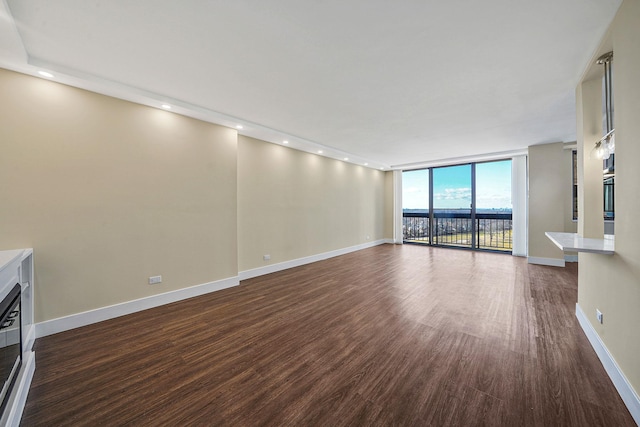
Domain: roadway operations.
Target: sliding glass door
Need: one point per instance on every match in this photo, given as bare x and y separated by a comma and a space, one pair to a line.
452, 223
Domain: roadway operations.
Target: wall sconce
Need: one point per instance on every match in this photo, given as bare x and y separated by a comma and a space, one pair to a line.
605, 147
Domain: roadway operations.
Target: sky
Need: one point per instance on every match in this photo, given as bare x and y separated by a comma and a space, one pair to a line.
452, 187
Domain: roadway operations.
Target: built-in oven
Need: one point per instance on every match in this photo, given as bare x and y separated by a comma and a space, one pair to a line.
10, 343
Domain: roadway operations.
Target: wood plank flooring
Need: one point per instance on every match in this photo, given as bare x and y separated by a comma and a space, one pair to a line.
392, 335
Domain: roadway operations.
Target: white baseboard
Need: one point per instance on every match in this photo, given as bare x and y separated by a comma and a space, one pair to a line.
553, 262
272, 268
626, 391
77, 320
571, 258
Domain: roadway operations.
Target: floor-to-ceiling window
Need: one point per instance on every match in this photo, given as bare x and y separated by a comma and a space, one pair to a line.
493, 205
466, 206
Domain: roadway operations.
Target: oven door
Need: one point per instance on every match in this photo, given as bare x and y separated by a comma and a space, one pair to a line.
10, 343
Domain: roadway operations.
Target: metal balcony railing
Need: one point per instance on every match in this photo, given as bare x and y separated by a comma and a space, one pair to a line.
493, 230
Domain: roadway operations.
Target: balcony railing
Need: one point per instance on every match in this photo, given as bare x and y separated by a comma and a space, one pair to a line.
493, 230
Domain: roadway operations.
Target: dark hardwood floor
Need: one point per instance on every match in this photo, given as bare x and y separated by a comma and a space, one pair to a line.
392, 335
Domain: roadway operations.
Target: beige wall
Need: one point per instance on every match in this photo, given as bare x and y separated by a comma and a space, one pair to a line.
612, 283
293, 204
548, 194
109, 193
589, 126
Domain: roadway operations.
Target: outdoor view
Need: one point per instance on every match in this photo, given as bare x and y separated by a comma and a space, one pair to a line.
452, 206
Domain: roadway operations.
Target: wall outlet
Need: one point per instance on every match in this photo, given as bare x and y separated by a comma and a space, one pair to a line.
266, 257
599, 315
155, 279
368, 237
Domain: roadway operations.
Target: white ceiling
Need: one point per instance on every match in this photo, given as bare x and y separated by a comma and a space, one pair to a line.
392, 83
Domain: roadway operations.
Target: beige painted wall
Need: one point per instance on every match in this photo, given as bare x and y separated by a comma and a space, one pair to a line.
612, 283
109, 192
293, 204
547, 198
589, 126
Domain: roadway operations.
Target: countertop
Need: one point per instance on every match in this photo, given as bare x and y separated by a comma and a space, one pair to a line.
573, 242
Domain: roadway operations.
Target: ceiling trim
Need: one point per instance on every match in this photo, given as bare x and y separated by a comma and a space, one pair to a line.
451, 161
118, 90
92, 83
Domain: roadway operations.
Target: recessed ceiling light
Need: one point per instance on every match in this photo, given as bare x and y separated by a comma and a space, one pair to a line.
346, 158
285, 142
382, 168
319, 151
366, 164
45, 74
239, 127
166, 106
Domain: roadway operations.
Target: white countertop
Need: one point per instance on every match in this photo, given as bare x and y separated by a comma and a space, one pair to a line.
573, 242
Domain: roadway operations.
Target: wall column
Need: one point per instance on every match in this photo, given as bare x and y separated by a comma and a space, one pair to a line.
519, 201
589, 130
397, 207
